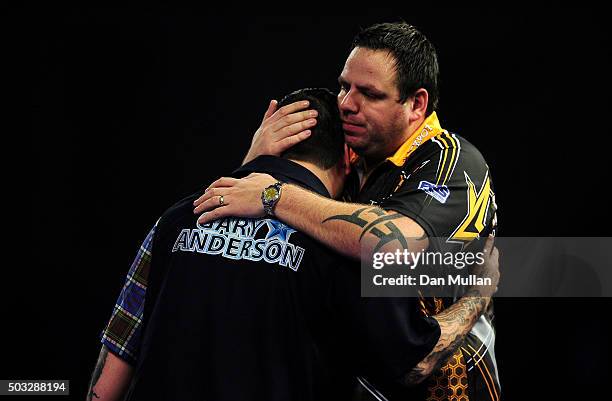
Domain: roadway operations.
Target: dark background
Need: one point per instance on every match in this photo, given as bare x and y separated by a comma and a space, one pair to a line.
130, 110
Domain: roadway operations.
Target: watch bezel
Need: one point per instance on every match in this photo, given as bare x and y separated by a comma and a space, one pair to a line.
271, 202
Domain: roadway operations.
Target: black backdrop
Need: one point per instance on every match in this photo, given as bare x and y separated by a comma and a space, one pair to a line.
128, 111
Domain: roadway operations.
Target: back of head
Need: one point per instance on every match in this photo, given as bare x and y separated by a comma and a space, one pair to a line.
325, 146
416, 61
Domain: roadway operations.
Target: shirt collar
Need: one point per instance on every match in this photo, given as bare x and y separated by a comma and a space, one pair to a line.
284, 170
430, 128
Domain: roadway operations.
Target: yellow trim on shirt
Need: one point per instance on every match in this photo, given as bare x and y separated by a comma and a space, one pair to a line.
429, 129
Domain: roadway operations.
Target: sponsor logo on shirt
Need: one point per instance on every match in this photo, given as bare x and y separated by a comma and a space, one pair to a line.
438, 192
478, 203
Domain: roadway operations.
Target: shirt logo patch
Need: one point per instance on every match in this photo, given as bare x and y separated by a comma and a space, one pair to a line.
478, 202
438, 192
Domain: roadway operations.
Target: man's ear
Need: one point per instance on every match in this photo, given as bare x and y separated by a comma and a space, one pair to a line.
418, 103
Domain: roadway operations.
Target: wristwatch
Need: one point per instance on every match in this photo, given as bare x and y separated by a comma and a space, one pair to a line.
270, 197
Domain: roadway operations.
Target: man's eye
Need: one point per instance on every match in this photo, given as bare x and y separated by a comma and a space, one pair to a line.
374, 96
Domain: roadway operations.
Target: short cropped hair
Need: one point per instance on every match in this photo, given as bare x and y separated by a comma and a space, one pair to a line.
325, 145
416, 61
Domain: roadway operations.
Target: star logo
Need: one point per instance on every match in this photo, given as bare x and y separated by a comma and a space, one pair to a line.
276, 229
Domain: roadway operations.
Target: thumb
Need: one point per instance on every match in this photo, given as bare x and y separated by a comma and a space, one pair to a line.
488, 247
271, 110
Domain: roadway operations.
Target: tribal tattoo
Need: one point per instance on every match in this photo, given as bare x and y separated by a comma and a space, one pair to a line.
375, 227
455, 322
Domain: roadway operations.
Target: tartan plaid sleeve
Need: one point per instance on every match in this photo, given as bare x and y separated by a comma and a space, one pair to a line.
123, 331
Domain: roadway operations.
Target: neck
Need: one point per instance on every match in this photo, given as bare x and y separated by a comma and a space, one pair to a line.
325, 176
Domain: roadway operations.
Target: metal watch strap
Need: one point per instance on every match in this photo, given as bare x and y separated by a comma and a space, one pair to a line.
269, 206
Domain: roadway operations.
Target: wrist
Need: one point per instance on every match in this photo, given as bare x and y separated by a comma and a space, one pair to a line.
288, 196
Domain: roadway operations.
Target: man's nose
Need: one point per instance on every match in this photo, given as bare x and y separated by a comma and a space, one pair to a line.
347, 103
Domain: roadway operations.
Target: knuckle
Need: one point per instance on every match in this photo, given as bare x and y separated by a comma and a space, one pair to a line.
286, 131
286, 120
283, 111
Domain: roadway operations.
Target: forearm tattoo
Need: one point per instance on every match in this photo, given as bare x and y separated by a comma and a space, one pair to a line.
97, 373
375, 227
455, 322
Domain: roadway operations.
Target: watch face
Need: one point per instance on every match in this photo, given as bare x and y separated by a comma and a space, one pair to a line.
270, 194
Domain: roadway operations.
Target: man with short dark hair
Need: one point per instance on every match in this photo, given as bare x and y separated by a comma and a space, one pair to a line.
230, 310
243, 309
412, 179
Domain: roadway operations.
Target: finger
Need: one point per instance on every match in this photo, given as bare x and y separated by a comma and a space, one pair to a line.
293, 140
211, 204
208, 194
271, 109
223, 182
293, 118
488, 247
285, 131
202, 198
288, 109
214, 215
495, 253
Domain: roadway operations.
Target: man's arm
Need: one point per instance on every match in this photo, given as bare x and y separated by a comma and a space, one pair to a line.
351, 229
456, 321
110, 379
122, 335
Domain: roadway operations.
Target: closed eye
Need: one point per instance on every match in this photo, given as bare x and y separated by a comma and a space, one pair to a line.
343, 85
372, 95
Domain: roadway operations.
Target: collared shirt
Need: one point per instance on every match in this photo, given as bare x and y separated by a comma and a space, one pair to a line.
436, 178
244, 309
442, 182
122, 334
